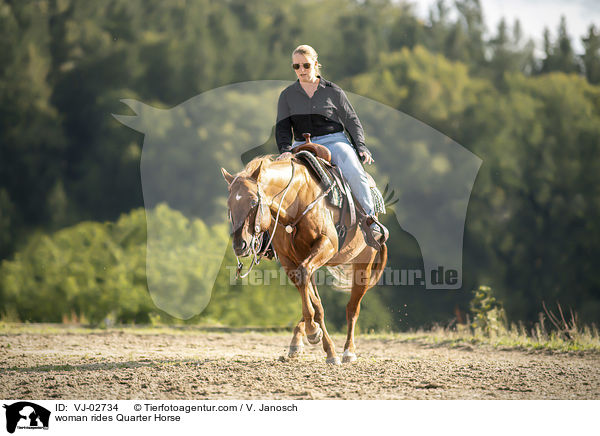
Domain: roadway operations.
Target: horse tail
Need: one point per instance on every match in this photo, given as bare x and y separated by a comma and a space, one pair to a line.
379, 266
342, 274
342, 277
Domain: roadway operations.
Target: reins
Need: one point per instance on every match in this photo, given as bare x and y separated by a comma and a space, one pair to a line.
258, 256
289, 228
285, 191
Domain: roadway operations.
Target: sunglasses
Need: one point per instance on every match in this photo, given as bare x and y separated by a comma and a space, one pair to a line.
297, 66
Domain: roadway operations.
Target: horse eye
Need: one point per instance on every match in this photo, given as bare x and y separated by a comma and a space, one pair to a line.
253, 203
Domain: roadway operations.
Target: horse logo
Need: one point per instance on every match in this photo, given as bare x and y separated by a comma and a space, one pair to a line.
24, 414
185, 147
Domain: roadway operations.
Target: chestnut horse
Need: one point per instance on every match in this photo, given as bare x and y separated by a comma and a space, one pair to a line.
282, 197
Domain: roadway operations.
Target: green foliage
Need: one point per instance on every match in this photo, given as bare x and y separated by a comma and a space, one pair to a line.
180, 253
96, 272
560, 55
534, 216
90, 271
591, 57
488, 313
513, 337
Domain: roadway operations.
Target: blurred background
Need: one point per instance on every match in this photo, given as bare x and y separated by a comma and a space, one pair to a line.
72, 217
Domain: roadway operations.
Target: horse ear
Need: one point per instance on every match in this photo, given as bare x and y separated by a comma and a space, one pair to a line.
256, 172
228, 177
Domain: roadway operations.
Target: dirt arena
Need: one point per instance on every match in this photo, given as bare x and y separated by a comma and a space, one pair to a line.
171, 364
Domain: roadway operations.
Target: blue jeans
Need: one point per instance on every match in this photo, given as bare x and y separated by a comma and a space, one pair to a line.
345, 158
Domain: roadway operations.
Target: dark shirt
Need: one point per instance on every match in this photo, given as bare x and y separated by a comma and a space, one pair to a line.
328, 111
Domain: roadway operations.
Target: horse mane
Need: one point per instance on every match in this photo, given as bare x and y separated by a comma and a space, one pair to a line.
266, 161
255, 163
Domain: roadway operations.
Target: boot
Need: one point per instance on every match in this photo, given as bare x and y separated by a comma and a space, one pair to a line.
379, 231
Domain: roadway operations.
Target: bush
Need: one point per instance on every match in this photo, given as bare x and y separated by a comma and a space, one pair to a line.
488, 313
87, 272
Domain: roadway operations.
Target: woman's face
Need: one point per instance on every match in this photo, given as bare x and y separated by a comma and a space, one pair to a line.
305, 74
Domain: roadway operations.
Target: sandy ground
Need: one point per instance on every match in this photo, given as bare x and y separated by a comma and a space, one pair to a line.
217, 365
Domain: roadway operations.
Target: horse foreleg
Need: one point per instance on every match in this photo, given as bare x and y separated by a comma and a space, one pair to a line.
298, 276
321, 251
328, 346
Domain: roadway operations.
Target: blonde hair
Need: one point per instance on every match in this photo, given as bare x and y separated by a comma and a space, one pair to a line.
309, 52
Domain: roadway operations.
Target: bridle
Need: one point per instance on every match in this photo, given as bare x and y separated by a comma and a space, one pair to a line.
257, 235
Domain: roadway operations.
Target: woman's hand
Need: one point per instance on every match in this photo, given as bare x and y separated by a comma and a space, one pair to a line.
285, 155
365, 156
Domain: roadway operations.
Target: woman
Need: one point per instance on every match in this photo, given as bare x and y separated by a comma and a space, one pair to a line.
319, 107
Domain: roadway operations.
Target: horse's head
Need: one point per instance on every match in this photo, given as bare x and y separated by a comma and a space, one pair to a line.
248, 210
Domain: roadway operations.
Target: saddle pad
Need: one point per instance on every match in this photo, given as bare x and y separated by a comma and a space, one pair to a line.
335, 196
312, 162
378, 201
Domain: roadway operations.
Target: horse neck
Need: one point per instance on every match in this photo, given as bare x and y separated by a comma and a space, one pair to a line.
274, 180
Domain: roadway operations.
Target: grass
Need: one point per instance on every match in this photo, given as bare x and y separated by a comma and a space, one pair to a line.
586, 339
513, 338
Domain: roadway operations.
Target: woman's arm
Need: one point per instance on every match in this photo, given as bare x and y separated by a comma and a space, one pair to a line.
283, 128
352, 124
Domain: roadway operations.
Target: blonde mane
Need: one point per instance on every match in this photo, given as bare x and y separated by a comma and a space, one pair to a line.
266, 161
255, 163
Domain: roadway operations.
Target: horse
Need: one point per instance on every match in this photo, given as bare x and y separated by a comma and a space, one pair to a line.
281, 196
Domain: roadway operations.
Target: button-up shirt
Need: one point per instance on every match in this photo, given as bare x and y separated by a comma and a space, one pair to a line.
327, 111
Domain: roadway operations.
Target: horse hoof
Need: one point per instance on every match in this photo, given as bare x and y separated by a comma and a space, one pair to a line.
315, 338
295, 351
333, 361
348, 357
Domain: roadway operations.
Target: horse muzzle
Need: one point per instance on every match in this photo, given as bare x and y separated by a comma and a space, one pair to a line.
241, 248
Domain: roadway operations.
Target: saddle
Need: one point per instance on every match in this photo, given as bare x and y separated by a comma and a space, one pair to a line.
317, 159
317, 149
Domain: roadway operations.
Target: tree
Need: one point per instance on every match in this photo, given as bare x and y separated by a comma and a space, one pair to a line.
509, 54
591, 56
471, 19
560, 55
32, 140
406, 29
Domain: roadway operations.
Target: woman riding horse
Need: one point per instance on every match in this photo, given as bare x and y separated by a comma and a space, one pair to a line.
281, 198
319, 107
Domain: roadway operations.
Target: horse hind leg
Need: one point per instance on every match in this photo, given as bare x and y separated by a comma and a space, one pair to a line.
361, 283
297, 346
